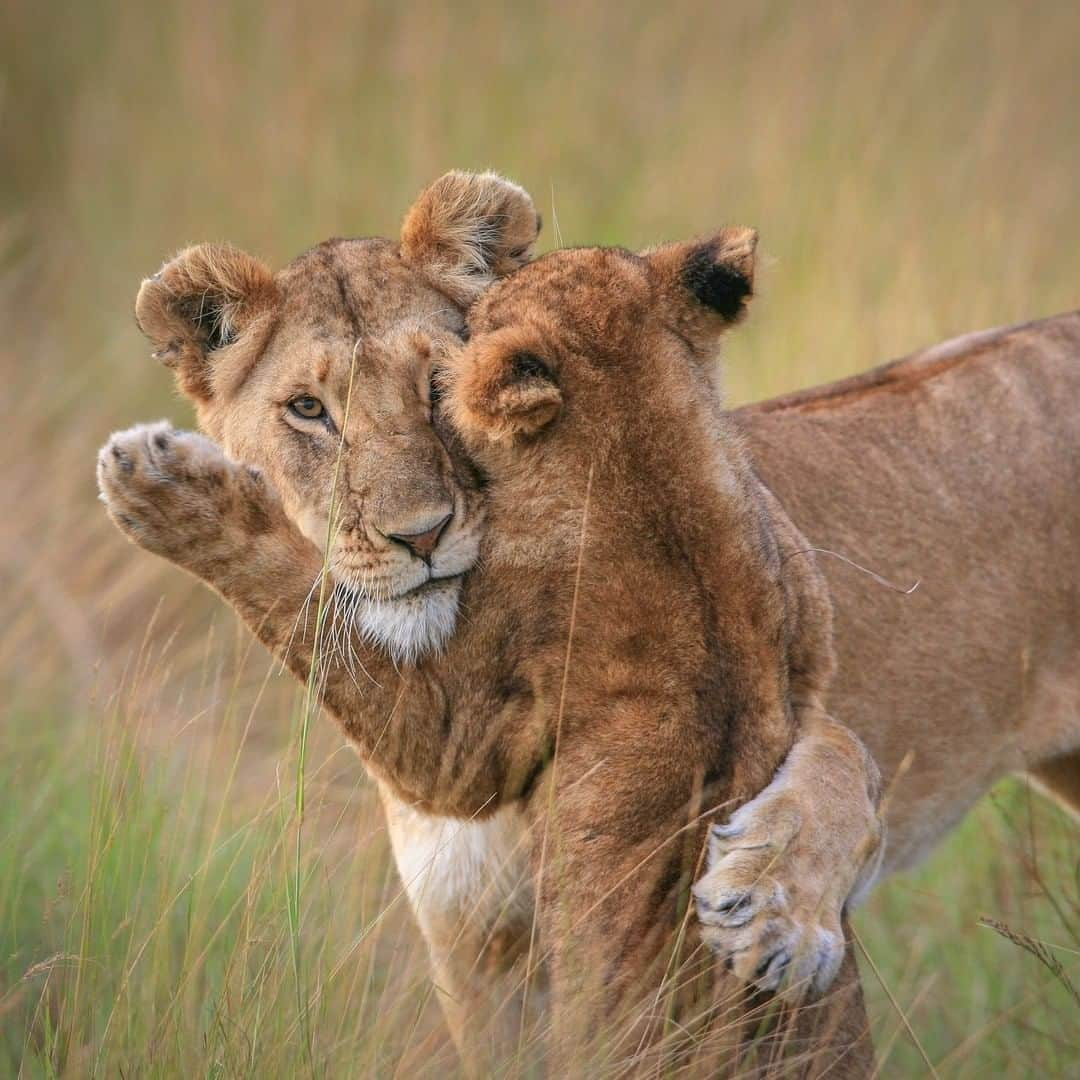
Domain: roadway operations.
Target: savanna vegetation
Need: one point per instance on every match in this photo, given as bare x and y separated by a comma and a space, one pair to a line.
913, 170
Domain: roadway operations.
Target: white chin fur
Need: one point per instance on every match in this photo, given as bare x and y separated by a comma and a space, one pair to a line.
410, 626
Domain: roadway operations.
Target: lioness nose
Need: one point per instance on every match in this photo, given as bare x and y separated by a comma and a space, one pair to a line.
422, 544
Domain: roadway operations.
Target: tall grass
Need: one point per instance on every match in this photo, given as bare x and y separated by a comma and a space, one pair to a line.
145, 924
913, 171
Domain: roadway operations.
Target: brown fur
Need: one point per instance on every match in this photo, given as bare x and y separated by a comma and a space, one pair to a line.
413, 727
465, 232
958, 468
698, 646
243, 342
970, 683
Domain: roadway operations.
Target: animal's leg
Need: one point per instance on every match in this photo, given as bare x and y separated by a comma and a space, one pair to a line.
789, 863
469, 887
1060, 779
177, 495
622, 848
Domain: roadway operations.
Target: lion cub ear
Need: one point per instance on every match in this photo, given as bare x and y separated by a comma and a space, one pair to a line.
501, 386
467, 229
198, 304
706, 285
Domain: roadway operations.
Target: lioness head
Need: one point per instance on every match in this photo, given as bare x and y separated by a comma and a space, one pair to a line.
321, 376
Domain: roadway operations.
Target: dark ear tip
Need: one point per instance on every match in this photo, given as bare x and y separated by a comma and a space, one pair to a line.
527, 365
722, 278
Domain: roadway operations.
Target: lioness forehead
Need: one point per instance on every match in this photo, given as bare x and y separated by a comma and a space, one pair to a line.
346, 298
357, 288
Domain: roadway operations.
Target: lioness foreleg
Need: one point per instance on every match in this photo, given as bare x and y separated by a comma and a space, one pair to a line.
789, 863
626, 963
175, 494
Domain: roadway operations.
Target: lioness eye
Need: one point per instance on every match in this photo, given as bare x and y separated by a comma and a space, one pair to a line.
308, 407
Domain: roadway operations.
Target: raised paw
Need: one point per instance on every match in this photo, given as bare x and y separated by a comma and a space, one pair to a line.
177, 495
782, 872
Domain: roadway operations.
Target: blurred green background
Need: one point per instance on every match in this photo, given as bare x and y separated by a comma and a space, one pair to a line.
913, 170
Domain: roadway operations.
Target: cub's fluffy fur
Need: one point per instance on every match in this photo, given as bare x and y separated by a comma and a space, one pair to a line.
697, 625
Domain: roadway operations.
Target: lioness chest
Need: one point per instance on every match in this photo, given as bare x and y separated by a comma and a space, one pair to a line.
452, 868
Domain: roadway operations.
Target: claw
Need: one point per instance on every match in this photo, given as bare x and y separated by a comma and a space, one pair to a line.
123, 460
731, 912
735, 903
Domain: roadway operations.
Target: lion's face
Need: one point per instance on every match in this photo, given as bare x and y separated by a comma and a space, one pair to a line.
366, 472
321, 377
592, 342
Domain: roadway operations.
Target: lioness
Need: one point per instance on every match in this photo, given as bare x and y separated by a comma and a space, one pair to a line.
216, 318
959, 467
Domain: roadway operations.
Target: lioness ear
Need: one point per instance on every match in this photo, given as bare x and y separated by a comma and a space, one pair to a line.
706, 285
501, 385
467, 229
199, 303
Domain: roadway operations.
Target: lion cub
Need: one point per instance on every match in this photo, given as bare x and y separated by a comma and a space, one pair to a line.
674, 638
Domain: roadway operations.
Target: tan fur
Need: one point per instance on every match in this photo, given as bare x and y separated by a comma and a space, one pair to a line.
242, 342
465, 231
958, 467
200, 300
453, 736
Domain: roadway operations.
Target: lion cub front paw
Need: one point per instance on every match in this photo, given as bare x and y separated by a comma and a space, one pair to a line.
780, 875
176, 494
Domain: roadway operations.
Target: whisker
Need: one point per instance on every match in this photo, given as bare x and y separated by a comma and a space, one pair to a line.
303, 612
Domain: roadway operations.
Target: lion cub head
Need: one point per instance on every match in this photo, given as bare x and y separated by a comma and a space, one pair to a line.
605, 354
320, 376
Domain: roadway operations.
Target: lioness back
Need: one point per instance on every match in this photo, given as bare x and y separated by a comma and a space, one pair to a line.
958, 467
